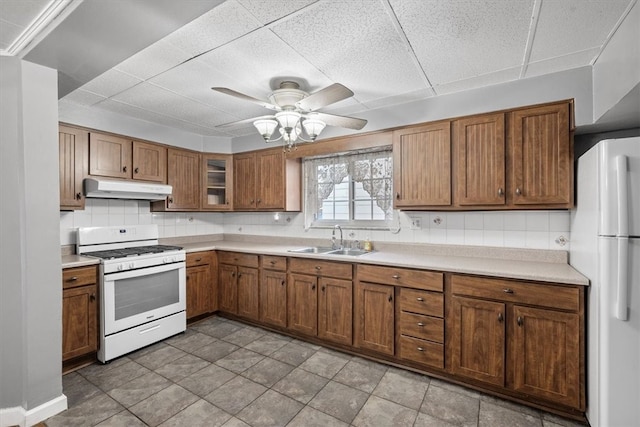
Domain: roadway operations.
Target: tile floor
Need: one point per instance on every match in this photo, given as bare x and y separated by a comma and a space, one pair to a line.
224, 373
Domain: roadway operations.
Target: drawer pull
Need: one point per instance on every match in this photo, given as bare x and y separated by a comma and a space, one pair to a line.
72, 279
272, 262
420, 299
420, 349
420, 324
396, 276
198, 259
520, 321
318, 267
507, 291
500, 317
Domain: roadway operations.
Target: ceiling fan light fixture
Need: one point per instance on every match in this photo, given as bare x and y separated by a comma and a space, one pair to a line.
313, 127
266, 127
288, 119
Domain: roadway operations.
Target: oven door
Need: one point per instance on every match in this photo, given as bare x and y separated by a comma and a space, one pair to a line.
132, 298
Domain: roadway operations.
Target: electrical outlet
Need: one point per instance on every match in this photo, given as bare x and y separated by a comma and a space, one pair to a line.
416, 223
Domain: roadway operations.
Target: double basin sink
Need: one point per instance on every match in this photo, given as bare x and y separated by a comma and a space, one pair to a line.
329, 251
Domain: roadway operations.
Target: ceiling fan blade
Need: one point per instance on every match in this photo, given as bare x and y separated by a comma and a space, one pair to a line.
327, 96
245, 97
340, 121
243, 122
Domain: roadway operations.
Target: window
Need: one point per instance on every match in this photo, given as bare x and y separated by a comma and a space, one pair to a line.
350, 189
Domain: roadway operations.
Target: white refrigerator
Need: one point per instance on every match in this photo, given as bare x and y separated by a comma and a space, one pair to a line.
605, 247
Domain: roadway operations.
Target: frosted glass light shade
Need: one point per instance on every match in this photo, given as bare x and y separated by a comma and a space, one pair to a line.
288, 119
313, 127
266, 127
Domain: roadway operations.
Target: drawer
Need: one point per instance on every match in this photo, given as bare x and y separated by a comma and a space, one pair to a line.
321, 268
421, 351
561, 297
198, 258
79, 276
421, 302
419, 279
420, 326
274, 262
237, 258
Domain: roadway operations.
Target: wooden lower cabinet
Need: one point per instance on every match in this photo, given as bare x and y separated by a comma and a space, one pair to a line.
497, 337
228, 289
273, 296
374, 317
335, 310
238, 291
248, 293
302, 304
79, 312
201, 286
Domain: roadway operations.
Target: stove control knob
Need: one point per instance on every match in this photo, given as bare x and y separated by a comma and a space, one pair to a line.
166, 260
120, 267
132, 265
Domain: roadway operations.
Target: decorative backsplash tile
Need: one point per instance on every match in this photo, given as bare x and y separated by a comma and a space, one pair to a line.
530, 229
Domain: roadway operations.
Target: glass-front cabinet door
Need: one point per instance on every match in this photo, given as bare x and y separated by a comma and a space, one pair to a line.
218, 181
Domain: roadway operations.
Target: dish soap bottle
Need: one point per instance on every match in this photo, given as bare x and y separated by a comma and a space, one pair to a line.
367, 245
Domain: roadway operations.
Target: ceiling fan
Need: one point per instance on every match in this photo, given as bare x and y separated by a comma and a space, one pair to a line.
295, 111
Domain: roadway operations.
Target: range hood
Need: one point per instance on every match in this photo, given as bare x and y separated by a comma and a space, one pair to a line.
111, 189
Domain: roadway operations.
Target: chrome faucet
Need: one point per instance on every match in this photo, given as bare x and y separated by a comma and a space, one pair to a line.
333, 237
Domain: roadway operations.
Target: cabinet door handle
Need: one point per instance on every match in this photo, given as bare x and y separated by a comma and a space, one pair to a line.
322, 288
396, 276
500, 192
124, 169
171, 199
258, 201
420, 349
520, 321
398, 195
282, 283
420, 299
500, 317
313, 287
251, 201
390, 298
92, 297
420, 324
239, 275
507, 291
518, 191
136, 170
233, 274
78, 196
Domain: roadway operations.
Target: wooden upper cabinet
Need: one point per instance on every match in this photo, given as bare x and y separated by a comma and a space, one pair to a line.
183, 174
149, 162
74, 166
542, 156
479, 158
109, 155
244, 181
422, 166
266, 180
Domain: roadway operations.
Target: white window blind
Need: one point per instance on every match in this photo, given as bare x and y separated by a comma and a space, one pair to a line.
351, 189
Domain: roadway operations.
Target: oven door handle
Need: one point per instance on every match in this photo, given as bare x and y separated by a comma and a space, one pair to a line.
145, 271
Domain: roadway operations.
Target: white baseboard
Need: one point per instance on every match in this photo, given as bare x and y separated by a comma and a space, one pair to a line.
19, 417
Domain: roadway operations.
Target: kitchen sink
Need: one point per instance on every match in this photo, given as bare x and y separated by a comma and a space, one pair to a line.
351, 252
313, 250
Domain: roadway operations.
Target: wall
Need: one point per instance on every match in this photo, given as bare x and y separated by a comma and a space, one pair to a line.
532, 229
31, 303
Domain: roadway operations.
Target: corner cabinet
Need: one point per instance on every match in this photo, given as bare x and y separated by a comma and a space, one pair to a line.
542, 157
183, 174
525, 338
266, 180
73, 150
79, 312
422, 166
217, 184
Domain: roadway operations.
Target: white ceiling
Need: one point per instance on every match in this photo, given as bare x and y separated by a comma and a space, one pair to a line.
386, 51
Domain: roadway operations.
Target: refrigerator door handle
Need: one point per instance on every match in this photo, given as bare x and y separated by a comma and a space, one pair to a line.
623, 196
621, 308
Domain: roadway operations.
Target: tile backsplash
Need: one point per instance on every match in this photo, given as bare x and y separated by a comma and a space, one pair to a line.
518, 229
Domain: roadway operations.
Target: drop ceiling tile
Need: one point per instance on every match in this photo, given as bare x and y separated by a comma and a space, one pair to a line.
490, 79
21, 12
566, 62
263, 59
161, 101
356, 44
269, 11
9, 32
571, 26
456, 40
155, 59
82, 97
220, 25
194, 80
110, 83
